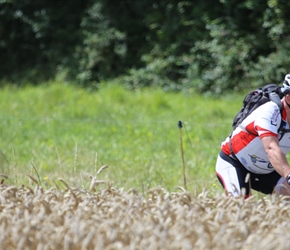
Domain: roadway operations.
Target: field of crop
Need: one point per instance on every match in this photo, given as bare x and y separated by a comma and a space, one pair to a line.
73, 218
103, 170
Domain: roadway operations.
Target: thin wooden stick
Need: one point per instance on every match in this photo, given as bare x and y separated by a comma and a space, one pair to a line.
182, 153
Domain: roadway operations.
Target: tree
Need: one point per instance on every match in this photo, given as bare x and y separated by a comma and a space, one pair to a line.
37, 36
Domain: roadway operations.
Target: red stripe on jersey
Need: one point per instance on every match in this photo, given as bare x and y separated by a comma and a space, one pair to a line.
266, 132
257, 130
241, 140
226, 148
251, 128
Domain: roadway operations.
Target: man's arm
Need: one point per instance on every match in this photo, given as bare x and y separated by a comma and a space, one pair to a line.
276, 155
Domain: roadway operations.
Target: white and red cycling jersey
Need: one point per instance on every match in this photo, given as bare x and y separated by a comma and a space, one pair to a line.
246, 143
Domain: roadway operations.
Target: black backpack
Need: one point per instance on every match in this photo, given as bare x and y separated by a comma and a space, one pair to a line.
254, 99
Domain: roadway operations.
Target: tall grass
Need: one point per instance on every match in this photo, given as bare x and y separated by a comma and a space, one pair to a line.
58, 130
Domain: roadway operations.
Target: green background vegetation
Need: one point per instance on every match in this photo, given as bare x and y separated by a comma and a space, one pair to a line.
61, 131
211, 46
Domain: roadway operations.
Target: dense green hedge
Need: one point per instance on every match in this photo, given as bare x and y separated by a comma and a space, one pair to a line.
209, 46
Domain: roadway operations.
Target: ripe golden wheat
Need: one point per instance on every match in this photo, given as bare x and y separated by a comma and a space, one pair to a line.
107, 218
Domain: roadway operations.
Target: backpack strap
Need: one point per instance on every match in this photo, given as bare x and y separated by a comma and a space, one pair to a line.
233, 155
284, 131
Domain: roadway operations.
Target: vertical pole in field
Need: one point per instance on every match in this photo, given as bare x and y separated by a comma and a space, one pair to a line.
182, 154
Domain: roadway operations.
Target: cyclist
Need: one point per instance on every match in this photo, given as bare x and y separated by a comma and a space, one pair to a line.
255, 155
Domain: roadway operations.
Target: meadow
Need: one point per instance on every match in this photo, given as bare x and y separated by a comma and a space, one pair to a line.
103, 170
58, 130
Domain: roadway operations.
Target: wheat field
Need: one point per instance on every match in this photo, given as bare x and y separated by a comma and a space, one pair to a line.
103, 217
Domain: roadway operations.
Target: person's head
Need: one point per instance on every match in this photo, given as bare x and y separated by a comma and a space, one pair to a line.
285, 89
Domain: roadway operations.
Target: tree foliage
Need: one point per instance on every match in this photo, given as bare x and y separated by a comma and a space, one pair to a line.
209, 46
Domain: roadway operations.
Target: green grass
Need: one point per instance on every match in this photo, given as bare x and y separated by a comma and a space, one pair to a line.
58, 130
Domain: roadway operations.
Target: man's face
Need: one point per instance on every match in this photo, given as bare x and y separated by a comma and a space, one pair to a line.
287, 98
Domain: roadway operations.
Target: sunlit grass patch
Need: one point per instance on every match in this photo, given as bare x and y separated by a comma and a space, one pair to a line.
62, 129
